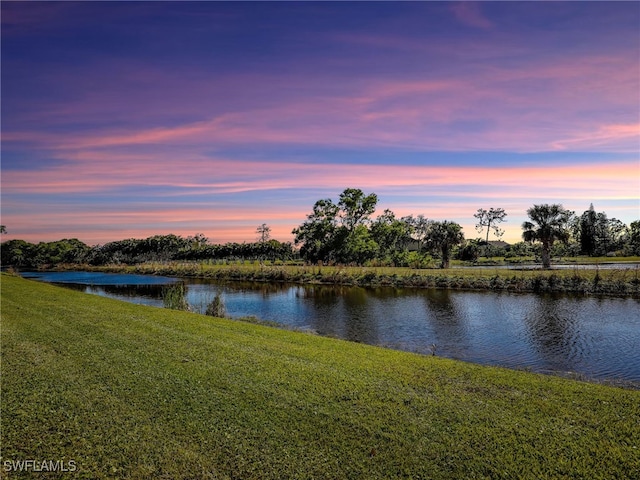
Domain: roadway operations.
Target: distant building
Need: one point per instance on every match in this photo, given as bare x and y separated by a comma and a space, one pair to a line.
499, 244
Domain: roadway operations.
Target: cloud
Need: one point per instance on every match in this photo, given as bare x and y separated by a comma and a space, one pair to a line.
541, 105
489, 95
226, 199
604, 135
104, 171
150, 125
469, 13
17, 20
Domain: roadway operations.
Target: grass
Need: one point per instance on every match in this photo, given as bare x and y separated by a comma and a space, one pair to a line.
622, 281
128, 391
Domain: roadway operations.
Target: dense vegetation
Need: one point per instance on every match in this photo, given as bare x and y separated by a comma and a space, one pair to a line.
158, 248
344, 233
126, 391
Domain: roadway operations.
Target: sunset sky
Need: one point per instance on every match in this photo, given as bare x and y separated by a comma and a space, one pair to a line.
125, 120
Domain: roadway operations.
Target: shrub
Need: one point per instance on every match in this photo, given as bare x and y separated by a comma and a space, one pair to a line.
216, 307
175, 297
469, 252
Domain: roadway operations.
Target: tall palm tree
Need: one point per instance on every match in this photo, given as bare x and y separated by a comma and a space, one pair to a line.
550, 223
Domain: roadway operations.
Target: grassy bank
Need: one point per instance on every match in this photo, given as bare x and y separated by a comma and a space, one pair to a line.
624, 282
126, 391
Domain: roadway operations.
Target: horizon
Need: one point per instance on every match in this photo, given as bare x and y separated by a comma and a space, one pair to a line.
126, 120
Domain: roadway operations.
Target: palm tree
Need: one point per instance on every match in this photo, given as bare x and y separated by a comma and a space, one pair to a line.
444, 236
550, 223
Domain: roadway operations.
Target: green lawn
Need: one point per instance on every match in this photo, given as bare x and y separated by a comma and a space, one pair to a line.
127, 391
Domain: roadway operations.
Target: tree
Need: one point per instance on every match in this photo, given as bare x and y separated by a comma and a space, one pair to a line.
264, 232
419, 228
3, 229
443, 236
633, 241
356, 207
600, 235
338, 232
356, 246
469, 252
17, 253
609, 234
317, 233
587, 231
490, 219
390, 233
550, 223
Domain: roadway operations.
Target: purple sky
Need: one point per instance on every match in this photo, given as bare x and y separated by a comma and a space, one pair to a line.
127, 119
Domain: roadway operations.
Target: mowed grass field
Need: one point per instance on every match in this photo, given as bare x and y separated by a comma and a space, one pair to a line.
127, 391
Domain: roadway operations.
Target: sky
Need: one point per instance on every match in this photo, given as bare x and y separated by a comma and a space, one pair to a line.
130, 119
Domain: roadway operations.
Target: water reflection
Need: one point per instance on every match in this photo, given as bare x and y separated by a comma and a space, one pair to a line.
140, 294
553, 331
596, 337
448, 323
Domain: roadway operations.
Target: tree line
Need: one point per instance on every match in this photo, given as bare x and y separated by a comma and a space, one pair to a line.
344, 232
161, 248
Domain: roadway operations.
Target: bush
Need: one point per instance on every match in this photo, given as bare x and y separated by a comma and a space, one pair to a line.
175, 297
216, 308
469, 252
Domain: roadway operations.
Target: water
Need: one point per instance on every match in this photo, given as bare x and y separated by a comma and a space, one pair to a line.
98, 278
590, 337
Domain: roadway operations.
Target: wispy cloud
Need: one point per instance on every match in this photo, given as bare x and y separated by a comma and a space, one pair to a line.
536, 107
604, 135
470, 13
230, 112
105, 171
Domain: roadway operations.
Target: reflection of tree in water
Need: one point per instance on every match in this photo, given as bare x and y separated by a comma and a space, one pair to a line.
264, 288
133, 291
447, 322
361, 319
341, 311
149, 291
553, 331
141, 294
322, 294
440, 303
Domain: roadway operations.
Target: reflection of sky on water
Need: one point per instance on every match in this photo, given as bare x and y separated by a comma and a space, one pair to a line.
98, 278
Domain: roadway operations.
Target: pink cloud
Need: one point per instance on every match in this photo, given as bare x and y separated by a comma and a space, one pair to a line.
538, 105
605, 134
104, 171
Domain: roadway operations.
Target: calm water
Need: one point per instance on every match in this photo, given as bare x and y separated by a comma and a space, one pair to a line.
595, 337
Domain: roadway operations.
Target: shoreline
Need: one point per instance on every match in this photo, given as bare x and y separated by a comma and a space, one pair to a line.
622, 282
